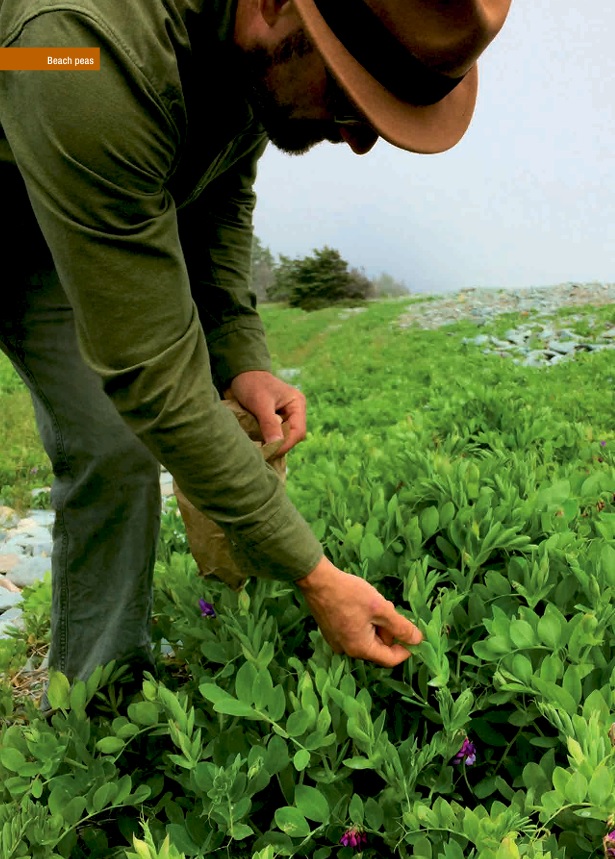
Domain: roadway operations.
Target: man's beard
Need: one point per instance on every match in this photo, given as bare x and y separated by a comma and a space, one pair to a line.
291, 135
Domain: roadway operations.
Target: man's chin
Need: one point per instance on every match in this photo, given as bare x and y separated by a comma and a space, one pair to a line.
298, 136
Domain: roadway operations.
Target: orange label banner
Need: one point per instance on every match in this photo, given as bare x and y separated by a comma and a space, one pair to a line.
50, 59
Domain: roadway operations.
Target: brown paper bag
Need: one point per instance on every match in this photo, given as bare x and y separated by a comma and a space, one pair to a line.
208, 542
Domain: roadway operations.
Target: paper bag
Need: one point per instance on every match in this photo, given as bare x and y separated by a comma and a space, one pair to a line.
208, 542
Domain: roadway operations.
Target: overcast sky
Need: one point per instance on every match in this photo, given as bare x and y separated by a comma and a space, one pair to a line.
527, 198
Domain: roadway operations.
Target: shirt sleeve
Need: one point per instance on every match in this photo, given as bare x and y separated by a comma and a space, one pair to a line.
95, 150
216, 237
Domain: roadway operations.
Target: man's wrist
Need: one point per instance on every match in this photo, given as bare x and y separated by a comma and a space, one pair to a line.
321, 571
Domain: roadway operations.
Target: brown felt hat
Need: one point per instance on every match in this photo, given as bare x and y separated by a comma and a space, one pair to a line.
408, 65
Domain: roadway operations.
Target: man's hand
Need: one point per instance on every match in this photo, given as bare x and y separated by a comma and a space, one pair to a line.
272, 402
354, 618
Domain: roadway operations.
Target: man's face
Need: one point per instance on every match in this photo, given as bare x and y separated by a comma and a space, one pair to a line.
298, 101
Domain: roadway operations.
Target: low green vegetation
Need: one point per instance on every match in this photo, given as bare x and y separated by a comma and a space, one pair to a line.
478, 495
23, 464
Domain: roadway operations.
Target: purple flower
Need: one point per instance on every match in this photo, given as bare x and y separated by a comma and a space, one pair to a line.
207, 609
353, 838
466, 754
602, 444
609, 845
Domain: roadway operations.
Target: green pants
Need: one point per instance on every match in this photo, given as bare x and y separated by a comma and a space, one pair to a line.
106, 492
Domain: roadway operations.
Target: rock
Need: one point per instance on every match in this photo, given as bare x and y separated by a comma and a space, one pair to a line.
9, 599
564, 347
11, 618
44, 518
289, 373
29, 571
8, 585
9, 561
534, 359
8, 517
486, 304
518, 336
38, 542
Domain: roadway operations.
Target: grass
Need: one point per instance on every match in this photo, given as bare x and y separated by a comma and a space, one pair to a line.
418, 366
23, 463
422, 364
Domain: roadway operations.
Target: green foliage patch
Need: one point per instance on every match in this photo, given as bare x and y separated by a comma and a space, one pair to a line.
477, 495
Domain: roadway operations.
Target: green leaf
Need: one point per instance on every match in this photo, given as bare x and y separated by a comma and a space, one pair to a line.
292, 822
73, 811
127, 731
298, 723
143, 713
522, 634
486, 787
276, 703
277, 757
374, 815
241, 830
371, 549
141, 793
78, 697
607, 562
447, 512
522, 667
358, 764
601, 788
356, 810
262, 689
429, 521
104, 796
11, 758
301, 760
550, 628
244, 682
58, 799
576, 789
124, 786
110, 745
312, 803
58, 690
225, 703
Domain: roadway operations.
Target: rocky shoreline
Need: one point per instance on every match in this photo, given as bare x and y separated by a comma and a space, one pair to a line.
25, 555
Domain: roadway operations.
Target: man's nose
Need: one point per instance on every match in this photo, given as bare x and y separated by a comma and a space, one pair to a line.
361, 138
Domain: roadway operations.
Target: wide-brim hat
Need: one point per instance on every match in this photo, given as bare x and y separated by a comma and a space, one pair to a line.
408, 65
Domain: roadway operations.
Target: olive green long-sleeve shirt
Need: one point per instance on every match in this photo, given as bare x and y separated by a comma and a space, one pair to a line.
141, 176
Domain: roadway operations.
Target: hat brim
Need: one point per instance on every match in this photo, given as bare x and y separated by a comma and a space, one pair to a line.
424, 129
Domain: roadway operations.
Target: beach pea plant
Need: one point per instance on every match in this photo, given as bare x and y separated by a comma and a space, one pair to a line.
489, 518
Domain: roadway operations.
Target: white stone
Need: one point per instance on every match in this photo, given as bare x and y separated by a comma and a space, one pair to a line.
11, 618
9, 599
8, 585
9, 560
29, 571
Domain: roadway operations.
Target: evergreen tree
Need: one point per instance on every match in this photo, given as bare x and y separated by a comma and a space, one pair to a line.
318, 280
263, 269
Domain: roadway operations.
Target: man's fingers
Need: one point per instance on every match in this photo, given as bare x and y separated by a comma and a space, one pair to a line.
385, 635
398, 626
385, 656
294, 415
270, 426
